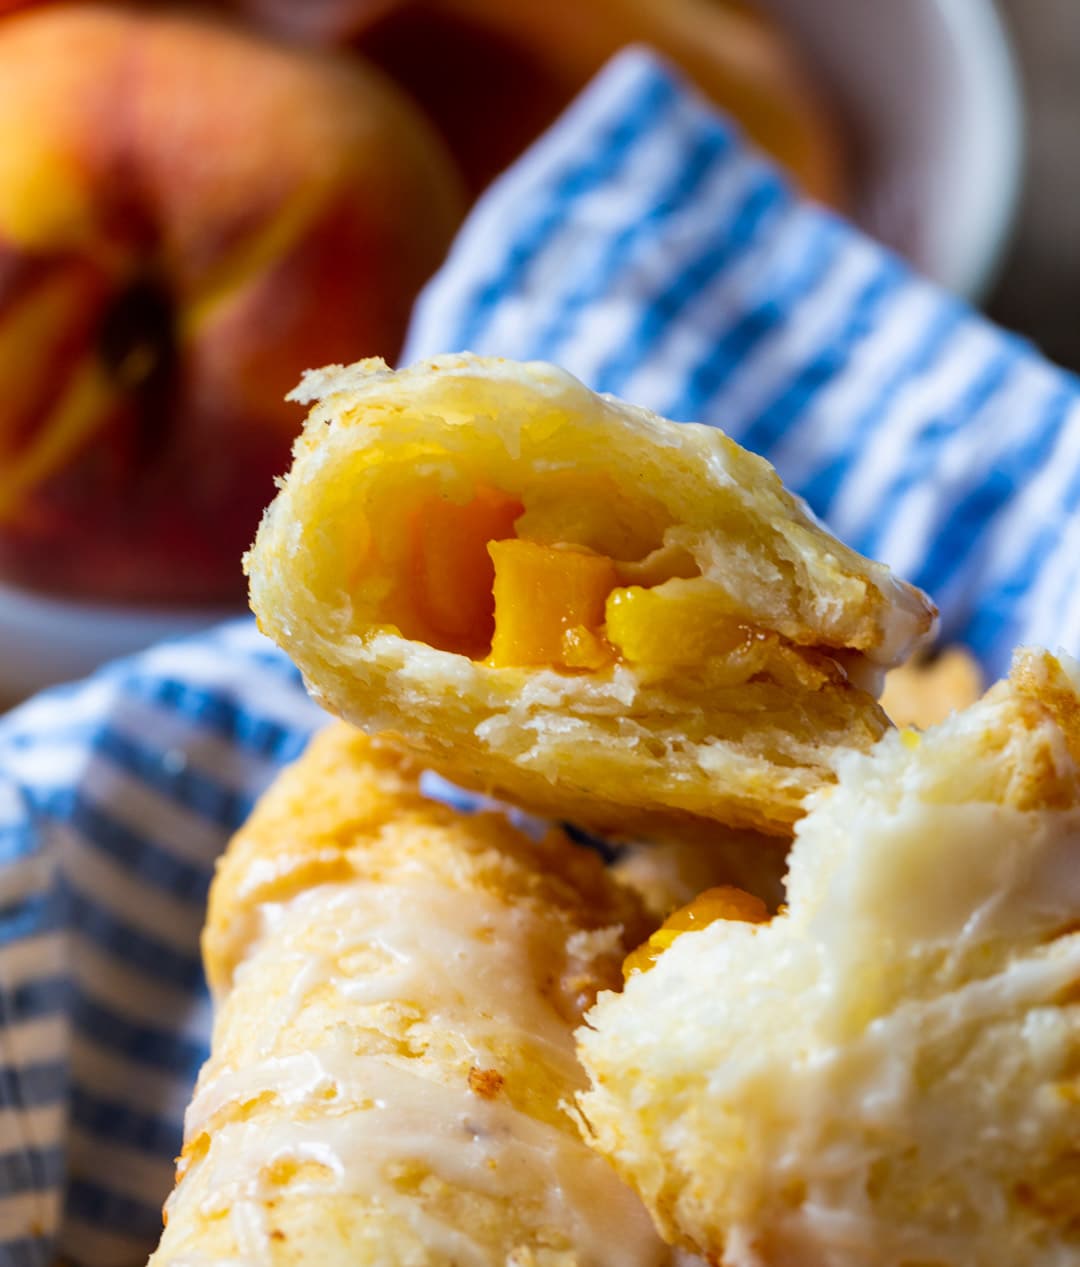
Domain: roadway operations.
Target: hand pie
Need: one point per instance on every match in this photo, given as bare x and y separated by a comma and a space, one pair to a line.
396, 987
888, 1072
570, 602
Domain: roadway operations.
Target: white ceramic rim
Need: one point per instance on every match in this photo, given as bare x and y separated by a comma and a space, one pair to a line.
965, 202
46, 640
993, 79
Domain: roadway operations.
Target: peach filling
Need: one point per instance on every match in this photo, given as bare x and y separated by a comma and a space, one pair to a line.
672, 629
452, 577
465, 582
725, 902
549, 605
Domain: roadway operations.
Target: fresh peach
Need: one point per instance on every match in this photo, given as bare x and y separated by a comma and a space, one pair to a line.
189, 217
493, 74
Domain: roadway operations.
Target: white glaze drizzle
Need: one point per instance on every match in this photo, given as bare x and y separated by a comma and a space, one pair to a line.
471, 1144
468, 963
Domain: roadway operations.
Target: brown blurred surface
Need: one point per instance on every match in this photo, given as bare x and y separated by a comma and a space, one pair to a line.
1038, 292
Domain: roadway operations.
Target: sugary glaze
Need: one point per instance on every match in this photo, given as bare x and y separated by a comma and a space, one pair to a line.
392, 1062
571, 601
887, 1073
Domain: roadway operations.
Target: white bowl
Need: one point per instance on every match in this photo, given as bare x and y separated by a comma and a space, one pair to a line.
47, 640
930, 89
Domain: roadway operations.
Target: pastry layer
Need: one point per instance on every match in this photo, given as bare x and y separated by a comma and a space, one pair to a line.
571, 602
396, 985
887, 1073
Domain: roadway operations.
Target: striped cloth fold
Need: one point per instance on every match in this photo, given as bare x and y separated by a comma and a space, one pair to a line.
642, 245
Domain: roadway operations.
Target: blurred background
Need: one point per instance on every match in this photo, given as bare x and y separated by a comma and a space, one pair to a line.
197, 202
1038, 291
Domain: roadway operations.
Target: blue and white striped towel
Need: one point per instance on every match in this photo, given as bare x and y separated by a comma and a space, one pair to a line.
644, 247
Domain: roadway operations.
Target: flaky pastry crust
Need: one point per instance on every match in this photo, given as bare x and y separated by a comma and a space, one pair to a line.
727, 666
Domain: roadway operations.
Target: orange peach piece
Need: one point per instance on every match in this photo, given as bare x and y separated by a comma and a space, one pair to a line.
723, 902
452, 571
549, 605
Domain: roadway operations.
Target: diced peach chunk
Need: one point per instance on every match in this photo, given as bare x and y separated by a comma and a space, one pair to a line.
724, 902
670, 626
452, 572
549, 605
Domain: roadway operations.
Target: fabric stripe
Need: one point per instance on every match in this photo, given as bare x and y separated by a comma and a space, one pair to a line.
26, 918
132, 945
884, 451
108, 1074
932, 343
154, 1046
39, 1127
609, 149
766, 430
988, 487
118, 1122
130, 1174
248, 729
1060, 566
733, 275
1020, 580
699, 161
138, 855
147, 911
760, 321
900, 533
665, 308
614, 318
33, 1085
171, 776
36, 1040
105, 1208
31, 1171
31, 1000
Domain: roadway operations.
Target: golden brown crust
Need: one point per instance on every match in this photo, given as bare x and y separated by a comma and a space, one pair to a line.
1041, 678
342, 812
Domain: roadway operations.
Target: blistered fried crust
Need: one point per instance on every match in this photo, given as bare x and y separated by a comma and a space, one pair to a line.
396, 985
570, 602
888, 1072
